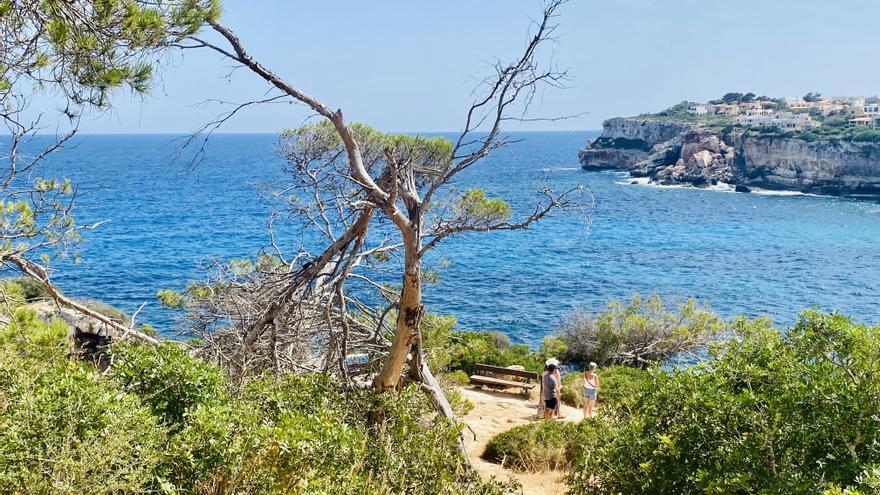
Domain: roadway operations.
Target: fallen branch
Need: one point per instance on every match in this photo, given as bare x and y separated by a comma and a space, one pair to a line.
39, 273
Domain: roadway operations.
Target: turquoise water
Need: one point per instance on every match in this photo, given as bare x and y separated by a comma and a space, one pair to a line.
744, 253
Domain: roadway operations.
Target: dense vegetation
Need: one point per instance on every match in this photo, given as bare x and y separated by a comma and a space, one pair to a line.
846, 132
764, 412
767, 412
162, 421
639, 332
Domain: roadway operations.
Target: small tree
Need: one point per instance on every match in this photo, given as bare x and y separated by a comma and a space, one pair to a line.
354, 174
732, 98
640, 332
80, 52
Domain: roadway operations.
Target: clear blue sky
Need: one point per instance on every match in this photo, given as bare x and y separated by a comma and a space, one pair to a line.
410, 65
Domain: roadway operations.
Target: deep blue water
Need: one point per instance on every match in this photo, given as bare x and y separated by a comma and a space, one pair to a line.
744, 253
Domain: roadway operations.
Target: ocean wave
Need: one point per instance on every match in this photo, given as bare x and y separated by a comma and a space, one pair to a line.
720, 187
645, 181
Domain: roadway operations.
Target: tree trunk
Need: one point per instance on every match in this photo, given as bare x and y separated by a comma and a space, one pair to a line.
408, 317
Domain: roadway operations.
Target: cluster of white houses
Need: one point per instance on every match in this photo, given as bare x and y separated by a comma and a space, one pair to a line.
760, 113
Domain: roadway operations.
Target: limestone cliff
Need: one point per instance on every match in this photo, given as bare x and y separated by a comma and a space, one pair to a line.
626, 142
677, 153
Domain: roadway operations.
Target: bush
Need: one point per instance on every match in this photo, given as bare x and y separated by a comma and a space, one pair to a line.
544, 445
171, 381
572, 389
28, 288
467, 349
454, 378
533, 447
638, 333
436, 340
622, 143
163, 421
63, 430
620, 388
107, 310
769, 412
449, 350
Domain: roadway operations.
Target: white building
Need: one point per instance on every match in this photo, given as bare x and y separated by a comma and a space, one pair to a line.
849, 101
698, 109
725, 109
864, 121
758, 112
783, 120
872, 109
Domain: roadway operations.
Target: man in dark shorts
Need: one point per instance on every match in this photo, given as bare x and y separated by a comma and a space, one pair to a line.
550, 391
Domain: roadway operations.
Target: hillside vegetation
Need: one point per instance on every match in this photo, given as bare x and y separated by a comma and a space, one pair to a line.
162, 421
765, 411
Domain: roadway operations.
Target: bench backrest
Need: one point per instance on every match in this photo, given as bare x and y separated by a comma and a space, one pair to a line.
497, 370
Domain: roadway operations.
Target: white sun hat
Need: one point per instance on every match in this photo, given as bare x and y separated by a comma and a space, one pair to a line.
553, 361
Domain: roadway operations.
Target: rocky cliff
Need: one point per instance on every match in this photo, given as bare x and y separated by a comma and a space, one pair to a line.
626, 142
676, 153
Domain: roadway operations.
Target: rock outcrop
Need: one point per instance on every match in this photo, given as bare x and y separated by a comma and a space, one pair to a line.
677, 153
89, 337
627, 142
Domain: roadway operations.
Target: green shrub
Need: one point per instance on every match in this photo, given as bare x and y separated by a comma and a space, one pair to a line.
27, 288
63, 430
769, 412
639, 333
467, 349
545, 445
454, 378
572, 389
170, 380
620, 388
163, 421
621, 143
460, 404
436, 340
107, 310
533, 447
27, 334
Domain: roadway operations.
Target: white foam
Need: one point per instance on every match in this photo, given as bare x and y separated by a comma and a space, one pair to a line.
777, 192
720, 187
646, 181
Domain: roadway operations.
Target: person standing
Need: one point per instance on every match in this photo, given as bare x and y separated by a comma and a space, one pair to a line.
550, 391
540, 414
591, 389
558, 374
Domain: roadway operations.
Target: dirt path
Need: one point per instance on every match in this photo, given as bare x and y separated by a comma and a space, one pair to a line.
495, 412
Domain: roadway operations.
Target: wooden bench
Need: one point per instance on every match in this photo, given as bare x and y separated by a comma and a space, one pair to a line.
488, 376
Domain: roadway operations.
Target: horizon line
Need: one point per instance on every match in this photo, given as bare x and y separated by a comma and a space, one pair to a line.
262, 133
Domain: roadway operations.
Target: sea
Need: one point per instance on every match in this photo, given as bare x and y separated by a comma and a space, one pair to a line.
773, 254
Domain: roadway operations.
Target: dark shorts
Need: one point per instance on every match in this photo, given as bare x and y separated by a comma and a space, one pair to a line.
551, 403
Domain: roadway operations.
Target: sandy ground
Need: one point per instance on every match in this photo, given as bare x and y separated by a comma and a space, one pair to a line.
495, 412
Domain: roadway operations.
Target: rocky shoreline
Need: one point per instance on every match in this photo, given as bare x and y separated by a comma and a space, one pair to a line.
678, 153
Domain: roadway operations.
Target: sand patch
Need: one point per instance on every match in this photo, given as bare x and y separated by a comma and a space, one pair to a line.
495, 412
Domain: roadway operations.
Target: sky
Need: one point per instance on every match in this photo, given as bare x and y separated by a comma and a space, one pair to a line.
411, 65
